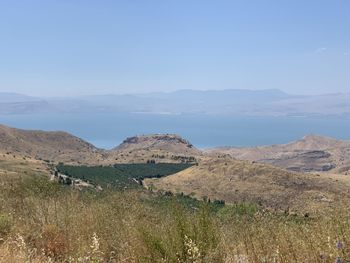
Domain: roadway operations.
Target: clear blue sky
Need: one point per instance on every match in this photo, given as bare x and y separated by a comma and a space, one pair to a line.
72, 47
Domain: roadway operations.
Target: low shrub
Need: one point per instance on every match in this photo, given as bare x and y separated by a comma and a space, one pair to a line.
5, 225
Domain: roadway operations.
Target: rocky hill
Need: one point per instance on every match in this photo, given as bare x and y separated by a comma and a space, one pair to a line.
64, 147
166, 142
156, 147
311, 153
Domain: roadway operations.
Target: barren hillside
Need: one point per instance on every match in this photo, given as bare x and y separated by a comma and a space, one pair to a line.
56, 146
311, 153
64, 147
17, 165
236, 181
156, 147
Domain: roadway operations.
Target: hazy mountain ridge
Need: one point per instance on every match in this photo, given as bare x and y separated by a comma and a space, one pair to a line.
10, 97
233, 102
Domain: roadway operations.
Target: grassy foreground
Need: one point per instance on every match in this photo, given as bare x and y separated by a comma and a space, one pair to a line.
42, 221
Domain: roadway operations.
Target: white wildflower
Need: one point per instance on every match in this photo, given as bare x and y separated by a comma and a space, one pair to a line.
95, 246
192, 250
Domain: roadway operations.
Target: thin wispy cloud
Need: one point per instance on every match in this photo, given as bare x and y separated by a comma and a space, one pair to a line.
320, 50
347, 53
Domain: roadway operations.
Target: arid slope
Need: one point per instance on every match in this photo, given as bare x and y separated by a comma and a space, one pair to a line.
236, 181
54, 146
64, 147
155, 147
311, 153
16, 165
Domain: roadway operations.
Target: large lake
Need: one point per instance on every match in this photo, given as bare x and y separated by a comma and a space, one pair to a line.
108, 130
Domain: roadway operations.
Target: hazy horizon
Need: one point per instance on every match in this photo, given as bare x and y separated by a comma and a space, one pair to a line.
29, 94
62, 52
65, 48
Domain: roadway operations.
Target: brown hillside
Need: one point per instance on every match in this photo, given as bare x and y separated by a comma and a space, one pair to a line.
311, 153
164, 142
157, 147
236, 181
64, 147
56, 146
16, 166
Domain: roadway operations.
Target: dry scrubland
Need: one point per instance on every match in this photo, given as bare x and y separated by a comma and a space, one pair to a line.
277, 189
67, 148
42, 221
311, 153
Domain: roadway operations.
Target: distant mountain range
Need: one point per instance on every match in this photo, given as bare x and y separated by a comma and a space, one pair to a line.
268, 102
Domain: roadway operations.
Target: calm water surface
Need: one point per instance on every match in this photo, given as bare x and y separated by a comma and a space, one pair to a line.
108, 130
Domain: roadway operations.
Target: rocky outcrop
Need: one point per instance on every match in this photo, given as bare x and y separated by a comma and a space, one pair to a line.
309, 154
165, 142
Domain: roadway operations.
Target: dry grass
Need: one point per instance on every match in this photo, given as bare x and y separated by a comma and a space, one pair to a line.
41, 221
64, 147
235, 181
